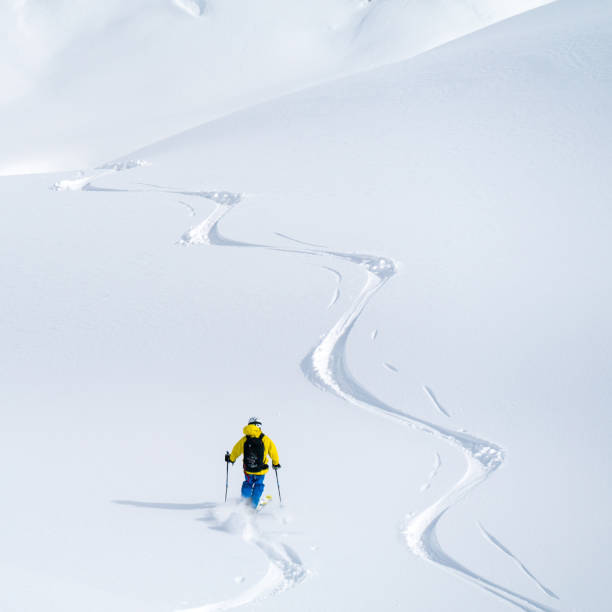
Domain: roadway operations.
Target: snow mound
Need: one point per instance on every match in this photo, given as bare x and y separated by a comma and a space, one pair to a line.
195, 8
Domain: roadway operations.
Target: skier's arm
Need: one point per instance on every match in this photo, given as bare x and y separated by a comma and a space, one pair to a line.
237, 450
273, 453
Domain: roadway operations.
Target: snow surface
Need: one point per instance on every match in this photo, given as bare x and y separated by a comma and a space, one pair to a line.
83, 81
403, 265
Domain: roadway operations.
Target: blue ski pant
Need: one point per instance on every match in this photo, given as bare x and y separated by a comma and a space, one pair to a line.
253, 487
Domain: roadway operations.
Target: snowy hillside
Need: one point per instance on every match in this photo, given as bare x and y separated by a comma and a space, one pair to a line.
402, 272
83, 81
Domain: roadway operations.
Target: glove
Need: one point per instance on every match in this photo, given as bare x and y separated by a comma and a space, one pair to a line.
276, 467
227, 458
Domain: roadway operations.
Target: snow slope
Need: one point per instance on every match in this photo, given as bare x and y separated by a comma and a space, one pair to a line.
373, 266
84, 81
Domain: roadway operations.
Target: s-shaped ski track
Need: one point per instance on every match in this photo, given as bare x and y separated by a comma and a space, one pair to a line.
325, 366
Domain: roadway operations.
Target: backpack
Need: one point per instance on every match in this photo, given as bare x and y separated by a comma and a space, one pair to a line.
254, 452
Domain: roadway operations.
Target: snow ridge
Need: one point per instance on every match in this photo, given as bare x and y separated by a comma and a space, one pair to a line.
195, 8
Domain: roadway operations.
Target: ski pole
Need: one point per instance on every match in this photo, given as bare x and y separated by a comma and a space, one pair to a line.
280, 499
226, 474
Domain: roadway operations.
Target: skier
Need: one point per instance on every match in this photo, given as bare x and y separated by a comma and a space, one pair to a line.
256, 447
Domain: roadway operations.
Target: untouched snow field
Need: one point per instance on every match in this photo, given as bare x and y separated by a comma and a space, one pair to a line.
403, 273
84, 81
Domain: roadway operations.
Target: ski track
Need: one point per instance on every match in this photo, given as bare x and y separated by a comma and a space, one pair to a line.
285, 568
189, 207
83, 182
434, 400
434, 472
325, 366
312, 244
516, 560
336, 295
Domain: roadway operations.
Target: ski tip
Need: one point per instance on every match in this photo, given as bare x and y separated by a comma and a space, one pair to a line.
264, 502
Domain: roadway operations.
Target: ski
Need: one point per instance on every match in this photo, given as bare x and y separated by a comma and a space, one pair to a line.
264, 502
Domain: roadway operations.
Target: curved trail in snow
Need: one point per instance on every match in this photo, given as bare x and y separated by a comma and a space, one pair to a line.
338, 277
491, 538
434, 472
285, 568
434, 400
325, 366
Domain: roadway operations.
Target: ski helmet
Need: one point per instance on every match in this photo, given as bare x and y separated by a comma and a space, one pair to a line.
255, 421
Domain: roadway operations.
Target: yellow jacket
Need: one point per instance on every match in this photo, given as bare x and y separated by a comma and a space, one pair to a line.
269, 448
